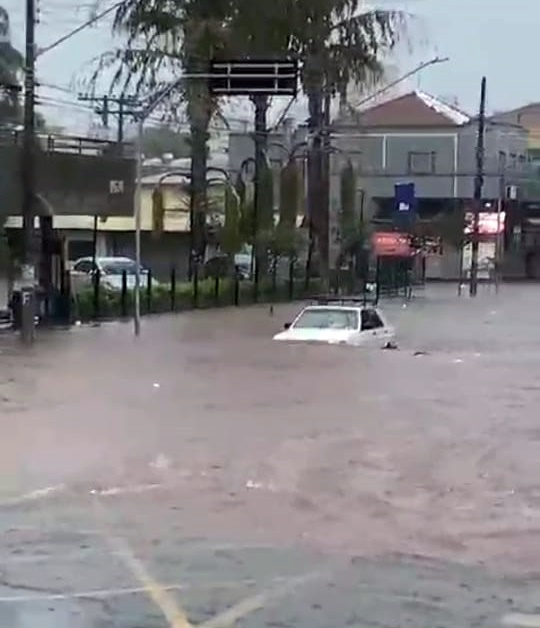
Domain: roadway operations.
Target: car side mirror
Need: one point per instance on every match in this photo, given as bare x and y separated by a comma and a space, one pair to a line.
286, 326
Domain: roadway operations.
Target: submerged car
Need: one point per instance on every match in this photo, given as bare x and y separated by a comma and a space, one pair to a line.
339, 321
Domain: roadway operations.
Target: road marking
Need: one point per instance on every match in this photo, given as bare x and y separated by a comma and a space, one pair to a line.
108, 593
172, 612
256, 602
521, 620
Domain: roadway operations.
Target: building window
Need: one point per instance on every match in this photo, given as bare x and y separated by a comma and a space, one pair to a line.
421, 163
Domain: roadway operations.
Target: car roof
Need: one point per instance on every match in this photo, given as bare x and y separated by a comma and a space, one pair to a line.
346, 308
99, 259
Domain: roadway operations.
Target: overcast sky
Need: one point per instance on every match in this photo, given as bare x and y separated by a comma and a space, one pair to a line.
492, 37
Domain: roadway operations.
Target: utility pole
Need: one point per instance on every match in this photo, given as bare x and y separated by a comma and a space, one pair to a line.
478, 188
314, 177
105, 111
28, 181
325, 165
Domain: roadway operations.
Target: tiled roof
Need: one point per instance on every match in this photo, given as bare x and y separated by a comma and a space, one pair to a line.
415, 109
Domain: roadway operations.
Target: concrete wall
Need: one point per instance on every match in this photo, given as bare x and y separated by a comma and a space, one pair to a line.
383, 158
72, 184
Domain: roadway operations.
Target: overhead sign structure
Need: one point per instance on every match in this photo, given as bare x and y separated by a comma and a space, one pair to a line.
391, 244
237, 77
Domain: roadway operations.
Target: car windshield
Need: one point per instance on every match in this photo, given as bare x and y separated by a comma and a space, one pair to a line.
327, 318
117, 267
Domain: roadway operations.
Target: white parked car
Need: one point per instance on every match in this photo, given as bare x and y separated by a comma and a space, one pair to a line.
339, 321
111, 271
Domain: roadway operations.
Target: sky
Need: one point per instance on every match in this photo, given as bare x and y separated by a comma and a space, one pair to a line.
494, 38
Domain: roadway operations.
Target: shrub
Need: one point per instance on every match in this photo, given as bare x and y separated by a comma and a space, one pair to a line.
210, 293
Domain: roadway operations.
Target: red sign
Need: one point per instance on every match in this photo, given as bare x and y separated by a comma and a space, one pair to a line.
489, 223
391, 244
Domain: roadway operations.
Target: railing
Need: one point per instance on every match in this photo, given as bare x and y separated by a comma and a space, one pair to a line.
76, 145
96, 300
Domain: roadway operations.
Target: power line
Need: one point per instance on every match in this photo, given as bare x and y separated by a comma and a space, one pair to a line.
95, 18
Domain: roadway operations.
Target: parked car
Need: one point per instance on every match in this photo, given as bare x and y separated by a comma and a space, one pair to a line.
111, 271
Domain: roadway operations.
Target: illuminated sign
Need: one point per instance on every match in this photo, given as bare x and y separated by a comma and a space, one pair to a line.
391, 244
489, 223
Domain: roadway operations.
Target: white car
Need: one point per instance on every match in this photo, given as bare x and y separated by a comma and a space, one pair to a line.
341, 322
111, 271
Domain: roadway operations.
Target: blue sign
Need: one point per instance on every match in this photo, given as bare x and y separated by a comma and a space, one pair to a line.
404, 203
405, 197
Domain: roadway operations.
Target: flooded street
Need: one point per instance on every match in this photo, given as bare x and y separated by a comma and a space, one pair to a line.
202, 467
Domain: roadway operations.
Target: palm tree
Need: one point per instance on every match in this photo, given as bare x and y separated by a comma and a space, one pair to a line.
337, 41
165, 37
11, 68
342, 44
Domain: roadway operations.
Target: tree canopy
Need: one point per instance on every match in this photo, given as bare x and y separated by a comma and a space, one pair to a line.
11, 79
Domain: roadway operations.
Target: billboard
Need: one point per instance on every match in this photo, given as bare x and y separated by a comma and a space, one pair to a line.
489, 223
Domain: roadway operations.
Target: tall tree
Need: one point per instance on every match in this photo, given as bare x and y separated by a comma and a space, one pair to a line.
165, 38
11, 75
11, 68
341, 43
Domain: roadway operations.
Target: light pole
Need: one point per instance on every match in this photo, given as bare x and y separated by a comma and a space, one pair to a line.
400, 79
141, 118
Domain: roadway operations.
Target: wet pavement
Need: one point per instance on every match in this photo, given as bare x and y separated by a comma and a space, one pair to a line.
160, 481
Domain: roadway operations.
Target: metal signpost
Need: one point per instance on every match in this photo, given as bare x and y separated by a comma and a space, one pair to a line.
226, 78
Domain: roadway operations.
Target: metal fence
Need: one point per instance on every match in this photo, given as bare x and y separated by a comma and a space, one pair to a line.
99, 300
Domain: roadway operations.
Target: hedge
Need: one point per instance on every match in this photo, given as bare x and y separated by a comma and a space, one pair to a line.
210, 293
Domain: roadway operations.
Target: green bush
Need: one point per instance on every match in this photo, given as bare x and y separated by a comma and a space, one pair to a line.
210, 293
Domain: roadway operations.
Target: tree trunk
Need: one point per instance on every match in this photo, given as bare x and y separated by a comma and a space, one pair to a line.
261, 103
318, 222
197, 201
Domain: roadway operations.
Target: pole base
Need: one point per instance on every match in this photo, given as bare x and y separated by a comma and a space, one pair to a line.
28, 314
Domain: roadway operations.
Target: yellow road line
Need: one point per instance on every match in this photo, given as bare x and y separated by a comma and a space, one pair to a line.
256, 602
172, 612
166, 603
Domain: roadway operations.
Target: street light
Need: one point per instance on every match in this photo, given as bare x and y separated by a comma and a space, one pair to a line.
140, 119
404, 77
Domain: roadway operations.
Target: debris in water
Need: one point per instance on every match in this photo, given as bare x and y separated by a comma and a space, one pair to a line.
271, 310
420, 353
161, 462
155, 385
390, 345
457, 361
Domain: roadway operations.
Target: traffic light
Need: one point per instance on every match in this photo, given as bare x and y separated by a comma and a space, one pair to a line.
158, 212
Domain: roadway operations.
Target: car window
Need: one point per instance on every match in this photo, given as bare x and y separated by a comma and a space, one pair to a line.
327, 318
83, 267
370, 319
117, 267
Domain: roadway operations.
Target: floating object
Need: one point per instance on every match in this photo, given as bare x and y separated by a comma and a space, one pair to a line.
390, 345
